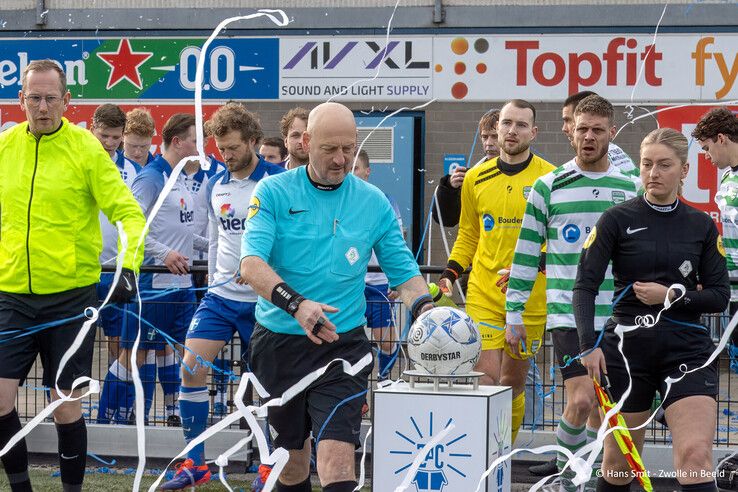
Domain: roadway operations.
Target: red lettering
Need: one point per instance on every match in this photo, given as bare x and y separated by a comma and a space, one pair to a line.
521, 63
631, 63
611, 57
550, 68
650, 56
559, 69
575, 77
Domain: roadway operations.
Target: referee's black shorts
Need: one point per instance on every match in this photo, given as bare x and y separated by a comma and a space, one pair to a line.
326, 407
19, 345
654, 354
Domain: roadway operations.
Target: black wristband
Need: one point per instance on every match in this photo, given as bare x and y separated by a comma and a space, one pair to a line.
453, 271
419, 304
286, 298
542, 262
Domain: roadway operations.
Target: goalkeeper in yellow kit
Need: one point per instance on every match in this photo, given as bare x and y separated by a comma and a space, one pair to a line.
493, 201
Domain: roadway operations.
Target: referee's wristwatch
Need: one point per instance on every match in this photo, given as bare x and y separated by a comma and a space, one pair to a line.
294, 305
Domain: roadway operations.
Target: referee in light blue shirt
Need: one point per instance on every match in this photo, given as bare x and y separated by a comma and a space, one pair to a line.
309, 237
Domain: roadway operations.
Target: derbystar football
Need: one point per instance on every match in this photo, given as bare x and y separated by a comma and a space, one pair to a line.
444, 340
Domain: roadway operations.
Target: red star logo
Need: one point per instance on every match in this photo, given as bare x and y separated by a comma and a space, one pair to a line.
124, 64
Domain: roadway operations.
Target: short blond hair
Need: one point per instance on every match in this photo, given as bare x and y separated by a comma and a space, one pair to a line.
139, 122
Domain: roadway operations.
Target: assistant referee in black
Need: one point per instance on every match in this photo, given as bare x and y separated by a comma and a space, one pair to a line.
654, 241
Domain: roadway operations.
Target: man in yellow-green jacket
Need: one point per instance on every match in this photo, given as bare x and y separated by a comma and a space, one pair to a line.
55, 177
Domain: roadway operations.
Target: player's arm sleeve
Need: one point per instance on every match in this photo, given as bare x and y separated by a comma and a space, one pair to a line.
398, 216
467, 238
593, 262
117, 203
394, 256
448, 199
713, 275
213, 243
529, 253
200, 243
146, 190
633, 170
261, 224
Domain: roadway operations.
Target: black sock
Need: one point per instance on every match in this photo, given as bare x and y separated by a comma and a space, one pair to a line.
605, 486
347, 486
72, 453
15, 461
300, 487
700, 487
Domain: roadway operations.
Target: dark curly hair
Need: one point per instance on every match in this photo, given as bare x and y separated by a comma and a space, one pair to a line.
718, 120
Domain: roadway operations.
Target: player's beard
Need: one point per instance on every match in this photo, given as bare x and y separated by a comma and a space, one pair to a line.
588, 161
516, 149
241, 164
300, 156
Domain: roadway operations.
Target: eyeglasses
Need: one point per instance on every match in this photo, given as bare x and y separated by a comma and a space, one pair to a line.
35, 100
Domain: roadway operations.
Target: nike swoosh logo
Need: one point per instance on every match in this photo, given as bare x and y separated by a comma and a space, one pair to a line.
68, 457
293, 212
128, 284
633, 231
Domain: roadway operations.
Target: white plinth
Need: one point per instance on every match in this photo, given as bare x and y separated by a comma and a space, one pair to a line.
405, 419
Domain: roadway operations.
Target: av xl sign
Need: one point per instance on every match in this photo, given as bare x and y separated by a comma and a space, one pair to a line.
356, 68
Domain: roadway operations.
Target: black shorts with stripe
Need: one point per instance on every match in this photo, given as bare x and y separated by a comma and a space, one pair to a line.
330, 407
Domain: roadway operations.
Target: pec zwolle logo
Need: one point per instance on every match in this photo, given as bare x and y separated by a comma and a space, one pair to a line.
443, 464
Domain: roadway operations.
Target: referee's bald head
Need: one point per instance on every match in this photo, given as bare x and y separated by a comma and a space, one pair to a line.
329, 112
330, 141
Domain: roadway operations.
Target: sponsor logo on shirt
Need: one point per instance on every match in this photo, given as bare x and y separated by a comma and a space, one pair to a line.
571, 233
228, 220
185, 216
488, 221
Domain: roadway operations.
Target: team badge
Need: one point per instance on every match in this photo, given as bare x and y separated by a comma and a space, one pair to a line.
591, 238
526, 191
719, 244
193, 325
352, 255
618, 196
254, 206
685, 268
